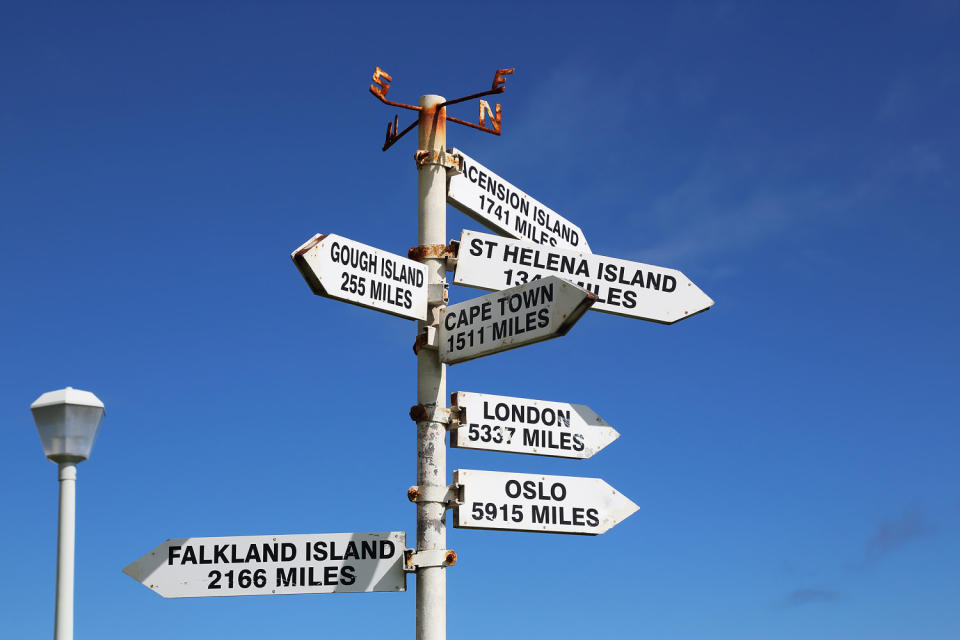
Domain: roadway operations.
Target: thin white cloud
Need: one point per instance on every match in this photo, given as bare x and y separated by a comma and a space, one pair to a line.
805, 596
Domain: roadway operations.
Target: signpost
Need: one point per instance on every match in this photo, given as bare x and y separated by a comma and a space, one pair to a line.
531, 502
622, 287
274, 565
544, 278
342, 269
512, 318
500, 206
520, 425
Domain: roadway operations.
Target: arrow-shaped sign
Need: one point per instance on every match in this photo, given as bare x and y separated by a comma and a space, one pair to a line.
622, 287
501, 207
528, 313
342, 269
544, 504
520, 425
274, 565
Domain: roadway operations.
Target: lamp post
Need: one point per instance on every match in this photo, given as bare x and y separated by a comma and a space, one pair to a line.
68, 421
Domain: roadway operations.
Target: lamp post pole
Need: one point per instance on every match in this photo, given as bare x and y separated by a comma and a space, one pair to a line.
67, 421
63, 618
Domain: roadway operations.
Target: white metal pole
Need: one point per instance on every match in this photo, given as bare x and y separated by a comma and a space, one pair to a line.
431, 377
63, 620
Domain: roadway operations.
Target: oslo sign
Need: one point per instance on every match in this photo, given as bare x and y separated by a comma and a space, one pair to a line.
622, 287
520, 425
500, 206
531, 502
512, 318
274, 565
339, 268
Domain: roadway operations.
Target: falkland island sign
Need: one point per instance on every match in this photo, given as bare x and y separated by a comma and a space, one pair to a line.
274, 565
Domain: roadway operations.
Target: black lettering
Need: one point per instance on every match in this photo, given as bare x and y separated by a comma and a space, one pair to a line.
540, 515
387, 548
271, 552
351, 551
531, 437
286, 577
544, 318
592, 519
319, 551
330, 575
476, 247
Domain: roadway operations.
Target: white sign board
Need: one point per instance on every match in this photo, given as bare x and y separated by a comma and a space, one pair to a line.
512, 318
622, 287
339, 268
274, 565
520, 425
501, 207
545, 504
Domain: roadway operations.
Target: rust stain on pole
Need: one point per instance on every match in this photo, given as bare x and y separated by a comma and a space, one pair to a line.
433, 128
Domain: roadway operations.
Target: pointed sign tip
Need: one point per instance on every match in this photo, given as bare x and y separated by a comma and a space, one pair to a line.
132, 570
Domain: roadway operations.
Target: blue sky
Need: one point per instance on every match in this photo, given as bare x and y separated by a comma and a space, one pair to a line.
793, 450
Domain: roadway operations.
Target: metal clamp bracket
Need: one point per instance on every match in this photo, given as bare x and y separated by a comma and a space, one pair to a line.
451, 162
456, 419
424, 251
449, 496
413, 559
428, 339
448, 253
423, 413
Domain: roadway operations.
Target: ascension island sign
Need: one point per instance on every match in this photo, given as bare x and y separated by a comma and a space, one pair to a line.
500, 206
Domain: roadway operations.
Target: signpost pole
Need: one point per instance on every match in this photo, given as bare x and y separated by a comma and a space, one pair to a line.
431, 373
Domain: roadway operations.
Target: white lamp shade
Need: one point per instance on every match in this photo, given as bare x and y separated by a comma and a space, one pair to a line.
68, 421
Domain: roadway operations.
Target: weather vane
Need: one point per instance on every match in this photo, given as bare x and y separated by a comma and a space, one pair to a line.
379, 88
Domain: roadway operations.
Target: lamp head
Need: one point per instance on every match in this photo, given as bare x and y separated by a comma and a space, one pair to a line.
68, 421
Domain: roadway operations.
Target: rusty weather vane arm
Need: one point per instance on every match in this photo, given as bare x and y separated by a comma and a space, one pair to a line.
498, 87
379, 89
392, 135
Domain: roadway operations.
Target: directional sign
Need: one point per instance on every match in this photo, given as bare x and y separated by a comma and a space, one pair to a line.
622, 287
274, 565
512, 318
530, 502
500, 206
339, 268
519, 425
